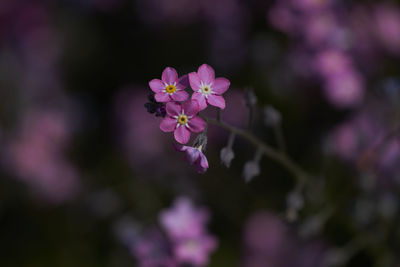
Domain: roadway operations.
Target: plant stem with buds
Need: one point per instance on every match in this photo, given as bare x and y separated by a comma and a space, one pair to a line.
270, 152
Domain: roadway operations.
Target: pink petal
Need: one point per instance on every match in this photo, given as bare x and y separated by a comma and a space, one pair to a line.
220, 85
216, 100
173, 109
182, 82
182, 135
156, 85
162, 97
191, 107
192, 154
201, 100
180, 96
168, 124
194, 81
179, 148
206, 73
196, 124
203, 163
169, 75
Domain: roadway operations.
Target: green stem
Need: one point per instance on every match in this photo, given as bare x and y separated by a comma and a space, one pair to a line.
270, 152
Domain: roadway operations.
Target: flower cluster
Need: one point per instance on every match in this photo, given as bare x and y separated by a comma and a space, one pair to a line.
169, 99
182, 239
185, 226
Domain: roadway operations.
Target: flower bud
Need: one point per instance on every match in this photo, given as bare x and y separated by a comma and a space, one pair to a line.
251, 169
250, 98
227, 155
272, 117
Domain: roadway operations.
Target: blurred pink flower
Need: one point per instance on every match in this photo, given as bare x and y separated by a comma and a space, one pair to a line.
170, 87
387, 26
152, 249
36, 156
183, 220
311, 5
194, 156
195, 250
137, 129
185, 225
269, 243
182, 120
330, 62
208, 89
282, 18
345, 90
323, 30
356, 135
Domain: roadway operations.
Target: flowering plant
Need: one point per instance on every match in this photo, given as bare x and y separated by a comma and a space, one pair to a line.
181, 115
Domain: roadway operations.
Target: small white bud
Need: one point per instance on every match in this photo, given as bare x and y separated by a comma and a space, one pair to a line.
227, 155
272, 117
250, 98
251, 169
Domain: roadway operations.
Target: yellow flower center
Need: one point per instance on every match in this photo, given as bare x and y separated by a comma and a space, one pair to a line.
182, 119
206, 90
170, 89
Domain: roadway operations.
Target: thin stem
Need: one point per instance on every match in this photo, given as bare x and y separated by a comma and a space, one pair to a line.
270, 152
251, 115
231, 139
279, 137
219, 114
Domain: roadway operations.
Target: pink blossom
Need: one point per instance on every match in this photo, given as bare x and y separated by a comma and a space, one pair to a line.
152, 250
182, 119
268, 242
387, 27
170, 87
331, 62
208, 89
195, 250
36, 156
183, 220
195, 157
345, 90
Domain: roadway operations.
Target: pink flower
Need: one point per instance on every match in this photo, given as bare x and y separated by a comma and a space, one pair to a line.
151, 249
182, 119
345, 90
183, 220
208, 89
185, 226
195, 250
195, 157
170, 87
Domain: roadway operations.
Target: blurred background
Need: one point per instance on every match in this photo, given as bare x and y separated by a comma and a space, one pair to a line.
88, 179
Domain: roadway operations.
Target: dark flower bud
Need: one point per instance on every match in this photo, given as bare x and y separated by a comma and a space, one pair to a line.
250, 98
272, 117
154, 107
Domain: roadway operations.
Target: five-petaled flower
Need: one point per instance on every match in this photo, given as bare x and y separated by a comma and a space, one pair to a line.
194, 156
208, 89
182, 119
170, 87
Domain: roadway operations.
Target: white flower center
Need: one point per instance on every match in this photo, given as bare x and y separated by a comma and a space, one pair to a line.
182, 119
205, 89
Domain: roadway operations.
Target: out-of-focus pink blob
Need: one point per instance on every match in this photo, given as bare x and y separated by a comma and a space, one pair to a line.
331, 62
138, 133
268, 242
184, 220
36, 156
345, 90
387, 26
